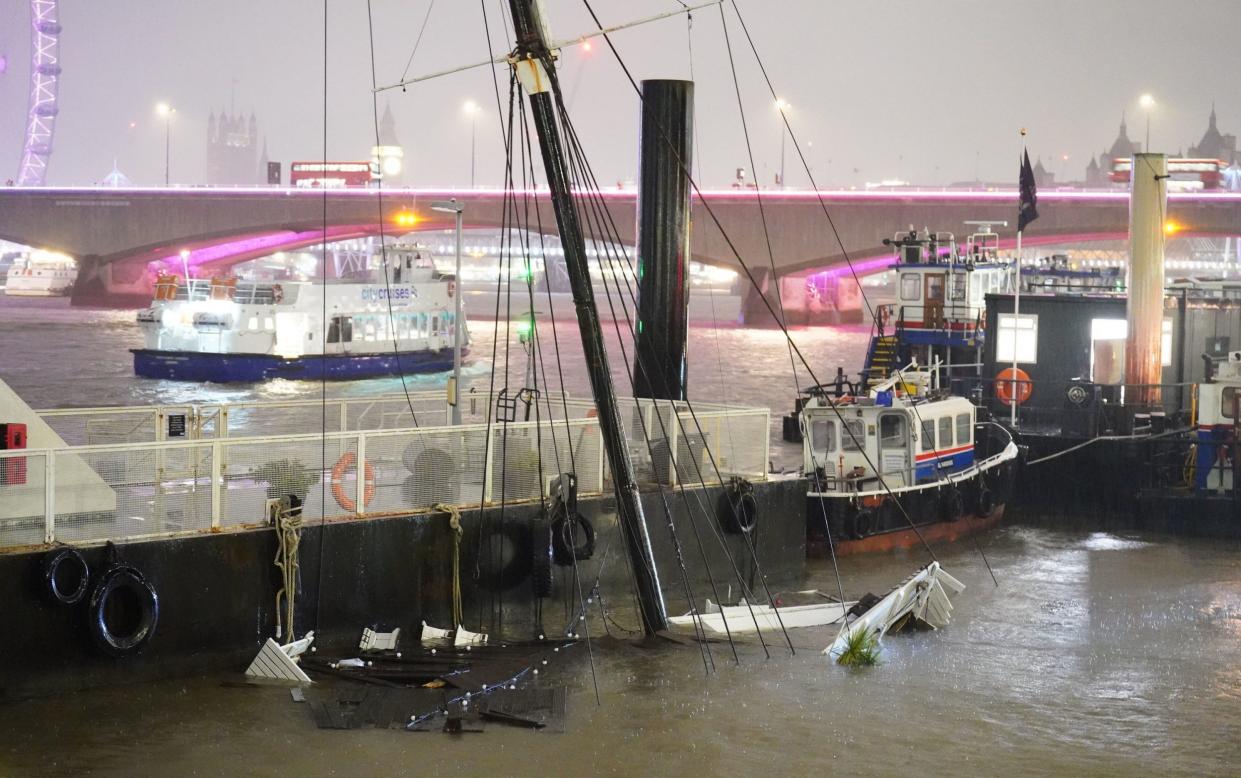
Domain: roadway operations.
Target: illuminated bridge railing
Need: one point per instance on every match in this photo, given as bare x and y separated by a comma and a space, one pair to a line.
131, 491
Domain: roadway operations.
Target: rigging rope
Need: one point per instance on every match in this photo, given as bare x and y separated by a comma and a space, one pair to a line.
289, 539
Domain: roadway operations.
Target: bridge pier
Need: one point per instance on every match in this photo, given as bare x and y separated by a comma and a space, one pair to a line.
809, 299
111, 284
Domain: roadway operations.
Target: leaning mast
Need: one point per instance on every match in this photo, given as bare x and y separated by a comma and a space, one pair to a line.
534, 64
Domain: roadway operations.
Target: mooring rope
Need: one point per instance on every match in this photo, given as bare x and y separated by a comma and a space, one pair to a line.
289, 535
454, 524
1071, 449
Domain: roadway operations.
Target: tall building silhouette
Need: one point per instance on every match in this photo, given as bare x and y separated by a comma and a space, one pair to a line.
232, 149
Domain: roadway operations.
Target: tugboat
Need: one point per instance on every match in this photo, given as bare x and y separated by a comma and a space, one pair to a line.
388, 322
907, 460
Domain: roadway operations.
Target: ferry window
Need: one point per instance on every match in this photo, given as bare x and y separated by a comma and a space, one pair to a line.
253, 324
964, 428
340, 329
945, 431
435, 324
1017, 335
269, 323
823, 436
928, 435
1227, 401
958, 286
911, 286
853, 436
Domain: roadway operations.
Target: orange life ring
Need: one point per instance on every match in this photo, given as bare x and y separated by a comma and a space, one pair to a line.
277, 293
338, 482
885, 316
1013, 386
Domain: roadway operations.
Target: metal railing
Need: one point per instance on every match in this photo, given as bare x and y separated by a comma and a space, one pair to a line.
220, 480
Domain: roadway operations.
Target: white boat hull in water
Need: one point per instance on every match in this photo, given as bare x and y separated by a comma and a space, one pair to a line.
924, 596
745, 619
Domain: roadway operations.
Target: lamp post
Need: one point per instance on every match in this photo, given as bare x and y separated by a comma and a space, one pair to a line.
455, 207
472, 110
1148, 104
165, 110
782, 105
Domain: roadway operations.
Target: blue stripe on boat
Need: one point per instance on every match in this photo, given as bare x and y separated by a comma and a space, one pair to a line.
229, 368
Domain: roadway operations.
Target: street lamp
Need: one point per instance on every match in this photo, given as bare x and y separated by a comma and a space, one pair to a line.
1148, 104
165, 110
782, 105
472, 110
454, 207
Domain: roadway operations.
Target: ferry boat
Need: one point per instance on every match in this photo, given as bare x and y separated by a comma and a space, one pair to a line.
225, 330
41, 275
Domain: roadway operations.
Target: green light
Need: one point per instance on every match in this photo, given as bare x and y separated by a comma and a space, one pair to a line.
524, 328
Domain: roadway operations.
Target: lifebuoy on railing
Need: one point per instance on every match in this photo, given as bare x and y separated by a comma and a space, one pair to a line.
341, 467
277, 293
1013, 386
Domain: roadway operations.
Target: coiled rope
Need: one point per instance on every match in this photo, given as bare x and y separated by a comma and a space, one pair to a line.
454, 524
289, 535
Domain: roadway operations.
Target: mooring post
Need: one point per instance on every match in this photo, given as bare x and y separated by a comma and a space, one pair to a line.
667, 132
1148, 202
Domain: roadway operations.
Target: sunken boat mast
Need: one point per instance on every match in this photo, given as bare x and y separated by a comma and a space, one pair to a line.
534, 64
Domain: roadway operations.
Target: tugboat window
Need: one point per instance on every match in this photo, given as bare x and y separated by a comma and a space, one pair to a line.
911, 287
1227, 401
945, 431
823, 436
854, 430
1019, 335
964, 428
928, 435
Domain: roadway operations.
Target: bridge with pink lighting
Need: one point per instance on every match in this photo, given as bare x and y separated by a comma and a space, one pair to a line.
117, 233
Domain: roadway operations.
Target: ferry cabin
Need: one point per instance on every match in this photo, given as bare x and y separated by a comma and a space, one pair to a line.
910, 440
230, 317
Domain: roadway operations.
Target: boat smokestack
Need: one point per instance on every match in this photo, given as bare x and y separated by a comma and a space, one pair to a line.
1148, 204
663, 239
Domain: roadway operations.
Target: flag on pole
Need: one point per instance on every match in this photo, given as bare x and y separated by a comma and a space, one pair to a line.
1027, 211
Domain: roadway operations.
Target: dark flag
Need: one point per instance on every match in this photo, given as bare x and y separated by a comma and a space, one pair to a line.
1027, 211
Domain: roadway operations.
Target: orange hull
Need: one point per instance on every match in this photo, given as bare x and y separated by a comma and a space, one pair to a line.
885, 542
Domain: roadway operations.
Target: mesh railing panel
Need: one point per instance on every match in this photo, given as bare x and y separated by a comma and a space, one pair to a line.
254, 471
125, 492
22, 499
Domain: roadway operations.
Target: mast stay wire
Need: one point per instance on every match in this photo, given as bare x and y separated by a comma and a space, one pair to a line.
594, 196
529, 185
383, 246
736, 253
607, 226
844, 251
584, 184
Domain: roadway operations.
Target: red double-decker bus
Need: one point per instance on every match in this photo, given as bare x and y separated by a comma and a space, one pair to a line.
331, 175
1190, 173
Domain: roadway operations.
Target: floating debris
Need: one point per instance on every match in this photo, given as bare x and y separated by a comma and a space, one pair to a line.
921, 598
279, 663
375, 640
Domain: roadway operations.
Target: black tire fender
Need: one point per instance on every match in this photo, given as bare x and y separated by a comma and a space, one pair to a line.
59, 570
124, 639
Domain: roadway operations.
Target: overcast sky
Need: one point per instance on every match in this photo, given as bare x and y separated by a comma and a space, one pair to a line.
925, 90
